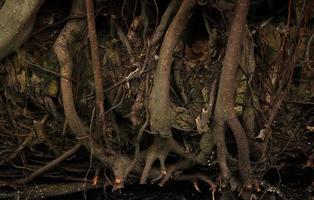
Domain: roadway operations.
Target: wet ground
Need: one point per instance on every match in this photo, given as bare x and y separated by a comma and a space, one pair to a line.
184, 191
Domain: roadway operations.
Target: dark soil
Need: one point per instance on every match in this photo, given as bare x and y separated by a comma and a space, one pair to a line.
296, 185
181, 191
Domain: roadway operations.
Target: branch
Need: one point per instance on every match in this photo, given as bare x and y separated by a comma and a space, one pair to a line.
50, 165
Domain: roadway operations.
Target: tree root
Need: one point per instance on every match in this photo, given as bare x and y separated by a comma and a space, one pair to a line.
17, 21
171, 170
194, 178
161, 115
175, 172
224, 109
160, 149
164, 22
97, 72
62, 48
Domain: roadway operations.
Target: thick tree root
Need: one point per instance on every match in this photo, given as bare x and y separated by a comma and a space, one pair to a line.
63, 48
161, 115
224, 109
175, 172
17, 19
173, 169
194, 179
160, 150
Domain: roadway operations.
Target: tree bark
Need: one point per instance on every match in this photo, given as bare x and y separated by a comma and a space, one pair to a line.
159, 102
63, 48
98, 82
17, 18
224, 109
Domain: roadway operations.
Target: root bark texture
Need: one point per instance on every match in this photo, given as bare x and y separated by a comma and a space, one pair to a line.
160, 150
173, 104
17, 19
98, 82
224, 109
63, 48
161, 116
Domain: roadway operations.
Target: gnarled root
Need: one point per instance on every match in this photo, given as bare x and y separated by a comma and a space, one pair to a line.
175, 168
224, 108
175, 171
194, 179
64, 47
160, 149
17, 19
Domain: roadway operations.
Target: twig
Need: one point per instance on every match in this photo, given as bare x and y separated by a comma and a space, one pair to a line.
117, 105
50, 165
308, 46
212, 98
49, 71
57, 23
157, 13
299, 102
123, 39
127, 79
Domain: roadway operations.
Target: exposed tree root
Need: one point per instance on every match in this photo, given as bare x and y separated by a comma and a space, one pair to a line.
145, 21
174, 172
161, 114
164, 22
97, 72
63, 48
160, 149
17, 19
108, 158
153, 42
27, 145
172, 169
224, 109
